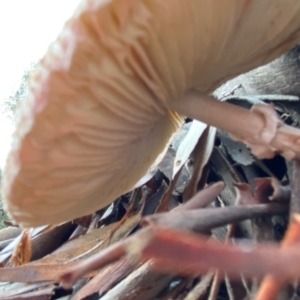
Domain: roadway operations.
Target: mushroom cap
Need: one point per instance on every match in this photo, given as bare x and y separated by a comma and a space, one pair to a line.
96, 116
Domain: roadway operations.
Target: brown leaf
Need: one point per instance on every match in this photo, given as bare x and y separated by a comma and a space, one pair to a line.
34, 272
262, 228
203, 198
177, 251
119, 249
9, 233
215, 286
165, 200
200, 290
95, 262
22, 253
271, 285
178, 291
200, 157
6, 253
267, 189
244, 194
271, 189
137, 196
144, 283
17, 288
47, 242
152, 203
106, 279
295, 198
203, 220
83, 221
188, 144
44, 294
90, 243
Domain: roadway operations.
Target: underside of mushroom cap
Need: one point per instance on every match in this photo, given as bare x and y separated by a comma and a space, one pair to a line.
97, 114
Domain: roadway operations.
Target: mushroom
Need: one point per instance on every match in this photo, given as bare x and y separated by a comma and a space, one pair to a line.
114, 87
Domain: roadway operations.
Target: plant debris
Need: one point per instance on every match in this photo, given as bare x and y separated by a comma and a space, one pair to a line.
214, 222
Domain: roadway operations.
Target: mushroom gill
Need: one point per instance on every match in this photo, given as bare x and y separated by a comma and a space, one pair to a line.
100, 107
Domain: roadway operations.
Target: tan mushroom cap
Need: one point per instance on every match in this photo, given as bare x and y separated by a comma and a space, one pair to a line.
97, 115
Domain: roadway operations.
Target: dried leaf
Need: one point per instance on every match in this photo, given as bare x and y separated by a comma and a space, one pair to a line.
203, 220
9, 233
165, 200
118, 250
238, 151
200, 155
187, 145
6, 253
44, 294
22, 253
262, 228
5, 243
35, 272
200, 290
295, 198
106, 279
166, 165
84, 221
179, 252
213, 294
153, 202
271, 285
16, 288
143, 283
167, 248
204, 197
47, 242
90, 243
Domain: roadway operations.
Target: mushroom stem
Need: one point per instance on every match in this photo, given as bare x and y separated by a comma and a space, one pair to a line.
222, 115
259, 128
